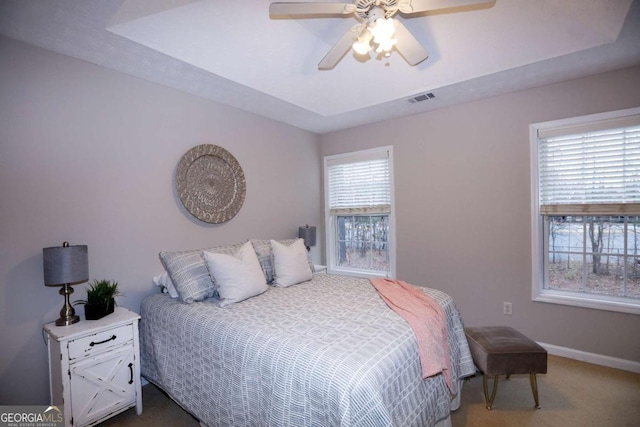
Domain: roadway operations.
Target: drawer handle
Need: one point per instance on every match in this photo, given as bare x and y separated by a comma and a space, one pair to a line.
131, 370
113, 337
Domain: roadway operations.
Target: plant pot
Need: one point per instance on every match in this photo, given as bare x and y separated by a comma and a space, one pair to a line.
98, 311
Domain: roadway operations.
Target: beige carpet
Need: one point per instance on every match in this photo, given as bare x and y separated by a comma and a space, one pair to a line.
572, 394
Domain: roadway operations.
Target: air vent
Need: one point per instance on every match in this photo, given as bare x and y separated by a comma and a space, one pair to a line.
423, 97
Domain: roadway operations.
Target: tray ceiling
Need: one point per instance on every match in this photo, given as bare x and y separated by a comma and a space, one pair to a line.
232, 52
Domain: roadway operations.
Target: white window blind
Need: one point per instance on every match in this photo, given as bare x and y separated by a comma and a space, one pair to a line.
359, 184
591, 169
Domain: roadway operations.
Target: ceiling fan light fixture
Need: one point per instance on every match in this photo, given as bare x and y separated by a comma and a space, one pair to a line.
376, 27
383, 31
386, 46
362, 45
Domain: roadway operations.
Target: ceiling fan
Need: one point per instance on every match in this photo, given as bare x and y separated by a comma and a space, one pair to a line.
376, 30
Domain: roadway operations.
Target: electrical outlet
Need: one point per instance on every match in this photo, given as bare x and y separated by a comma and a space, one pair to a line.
506, 308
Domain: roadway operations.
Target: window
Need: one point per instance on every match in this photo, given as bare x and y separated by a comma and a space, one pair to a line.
586, 211
359, 213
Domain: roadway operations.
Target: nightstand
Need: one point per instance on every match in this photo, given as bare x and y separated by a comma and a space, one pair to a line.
94, 367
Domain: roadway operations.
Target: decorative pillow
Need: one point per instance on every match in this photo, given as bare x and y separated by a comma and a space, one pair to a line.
265, 255
290, 263
238, 276
189, 273
164, 281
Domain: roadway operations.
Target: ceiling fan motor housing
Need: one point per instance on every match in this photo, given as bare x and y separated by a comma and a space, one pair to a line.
382, 9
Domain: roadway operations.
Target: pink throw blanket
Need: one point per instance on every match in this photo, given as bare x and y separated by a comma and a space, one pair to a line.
427, 318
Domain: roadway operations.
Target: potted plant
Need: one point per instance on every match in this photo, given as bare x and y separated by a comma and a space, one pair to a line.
100, 299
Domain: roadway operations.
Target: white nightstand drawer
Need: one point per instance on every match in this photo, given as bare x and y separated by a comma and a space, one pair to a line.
100, 341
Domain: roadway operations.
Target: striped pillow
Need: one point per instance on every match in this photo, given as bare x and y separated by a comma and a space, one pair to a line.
265, 256
189, 273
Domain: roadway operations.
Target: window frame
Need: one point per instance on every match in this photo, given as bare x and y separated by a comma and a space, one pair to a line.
539, 250
331, 220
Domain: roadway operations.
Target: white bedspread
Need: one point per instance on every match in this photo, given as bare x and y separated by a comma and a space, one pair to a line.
328, 352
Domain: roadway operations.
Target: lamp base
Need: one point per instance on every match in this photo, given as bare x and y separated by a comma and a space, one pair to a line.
66, 321
67, 314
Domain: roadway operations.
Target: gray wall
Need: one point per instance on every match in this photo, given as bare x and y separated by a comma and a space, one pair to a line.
462, 192
88, 155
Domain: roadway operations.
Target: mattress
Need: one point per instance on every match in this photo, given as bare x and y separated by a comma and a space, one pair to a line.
328, 352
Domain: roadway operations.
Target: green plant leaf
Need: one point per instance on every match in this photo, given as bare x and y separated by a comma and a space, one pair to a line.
101, 292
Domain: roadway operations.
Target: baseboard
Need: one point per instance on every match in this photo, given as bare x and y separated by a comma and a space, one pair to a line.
596, 359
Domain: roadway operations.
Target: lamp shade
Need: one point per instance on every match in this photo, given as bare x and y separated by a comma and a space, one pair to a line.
65, 264
308, 234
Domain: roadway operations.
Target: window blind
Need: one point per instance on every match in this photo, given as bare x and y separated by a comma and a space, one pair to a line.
359, 185
590, 169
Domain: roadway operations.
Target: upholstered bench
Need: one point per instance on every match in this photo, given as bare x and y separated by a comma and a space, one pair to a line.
501, 350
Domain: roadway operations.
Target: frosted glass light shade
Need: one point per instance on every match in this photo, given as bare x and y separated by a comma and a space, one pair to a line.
383, 31
362, 45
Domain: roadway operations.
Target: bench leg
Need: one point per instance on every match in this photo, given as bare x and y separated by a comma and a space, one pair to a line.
534, 389
489, 400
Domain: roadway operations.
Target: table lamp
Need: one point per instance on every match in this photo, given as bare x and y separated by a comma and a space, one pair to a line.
308, 234
66, 265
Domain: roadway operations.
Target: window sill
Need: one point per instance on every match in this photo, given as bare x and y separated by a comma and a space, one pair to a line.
320, 269
620, 305
358, 273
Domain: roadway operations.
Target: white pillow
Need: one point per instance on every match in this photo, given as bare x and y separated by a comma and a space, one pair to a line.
164, 281
238, 276
290, 263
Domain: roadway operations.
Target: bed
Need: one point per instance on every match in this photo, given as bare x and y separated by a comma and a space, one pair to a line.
325, 352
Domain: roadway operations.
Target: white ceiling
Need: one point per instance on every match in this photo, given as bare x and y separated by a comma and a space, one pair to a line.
232, 52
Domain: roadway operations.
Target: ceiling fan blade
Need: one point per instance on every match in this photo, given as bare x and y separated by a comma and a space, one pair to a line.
336, 53
297, 9
417, 6
408, 46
